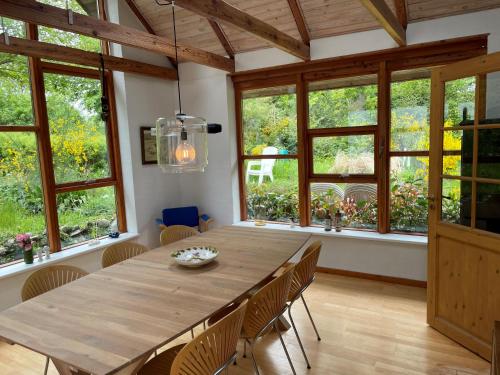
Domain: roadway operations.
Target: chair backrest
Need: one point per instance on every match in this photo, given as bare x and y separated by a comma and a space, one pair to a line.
267, 303
213, 348
187, 216
121, 251
267, 165
304, 270
324, 187
176, 233
360, 192
49, 278
270, 150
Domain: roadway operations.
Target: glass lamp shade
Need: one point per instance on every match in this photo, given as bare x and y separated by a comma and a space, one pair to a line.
182, 144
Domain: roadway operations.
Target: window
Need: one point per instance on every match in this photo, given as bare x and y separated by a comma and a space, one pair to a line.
57, 161
351, 134
409, 150
342, 135
270, 154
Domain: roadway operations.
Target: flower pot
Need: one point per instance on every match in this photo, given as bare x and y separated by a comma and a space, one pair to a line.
28, 256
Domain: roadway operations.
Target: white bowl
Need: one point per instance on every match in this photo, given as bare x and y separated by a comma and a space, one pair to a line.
195, 256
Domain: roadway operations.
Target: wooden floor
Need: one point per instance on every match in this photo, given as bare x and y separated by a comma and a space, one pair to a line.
367, 327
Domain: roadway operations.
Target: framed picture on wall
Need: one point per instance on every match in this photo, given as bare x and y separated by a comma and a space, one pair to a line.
148, 146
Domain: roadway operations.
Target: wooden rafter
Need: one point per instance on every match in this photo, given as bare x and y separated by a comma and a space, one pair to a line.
223, 39
32, 48
300, 20
41, 14
219, 10
145, 23
387, 19
402, 12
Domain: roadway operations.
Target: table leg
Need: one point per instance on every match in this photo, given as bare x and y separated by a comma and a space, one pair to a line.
65, 369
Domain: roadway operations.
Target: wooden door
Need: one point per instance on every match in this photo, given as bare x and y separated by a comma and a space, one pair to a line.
464, 202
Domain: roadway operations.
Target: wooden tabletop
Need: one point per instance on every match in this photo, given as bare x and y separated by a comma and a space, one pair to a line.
110, 318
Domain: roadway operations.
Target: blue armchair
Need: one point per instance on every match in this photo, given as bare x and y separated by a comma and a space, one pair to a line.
188, 216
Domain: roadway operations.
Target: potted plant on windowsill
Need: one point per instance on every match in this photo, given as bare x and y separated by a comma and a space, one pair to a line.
24, 242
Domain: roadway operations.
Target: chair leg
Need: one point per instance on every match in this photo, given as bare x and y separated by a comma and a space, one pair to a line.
256, 368
297, 335
192, 333
284, 348
47, 362
245, 348
310, 317
204, 325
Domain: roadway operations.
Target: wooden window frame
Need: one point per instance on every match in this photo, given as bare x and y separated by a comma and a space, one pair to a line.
37, 69
383, 64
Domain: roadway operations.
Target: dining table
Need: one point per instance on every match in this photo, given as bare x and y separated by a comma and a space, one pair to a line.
112, 320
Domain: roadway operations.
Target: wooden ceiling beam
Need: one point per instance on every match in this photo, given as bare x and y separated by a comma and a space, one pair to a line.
223, 39
387, 19
300, 21
220, 11
402, 12
133, 7
41, 14
50, 51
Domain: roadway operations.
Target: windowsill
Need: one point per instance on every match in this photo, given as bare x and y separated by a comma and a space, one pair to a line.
21, 267
352, 234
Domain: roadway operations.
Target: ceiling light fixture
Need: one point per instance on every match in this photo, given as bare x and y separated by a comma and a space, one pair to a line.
182, 142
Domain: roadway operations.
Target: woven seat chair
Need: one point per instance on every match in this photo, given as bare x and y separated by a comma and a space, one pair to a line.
263, 311
303, 276
121, 251
176, 233
46, 279
207, 354
360, 192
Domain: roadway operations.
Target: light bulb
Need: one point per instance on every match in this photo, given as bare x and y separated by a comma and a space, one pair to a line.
185, 153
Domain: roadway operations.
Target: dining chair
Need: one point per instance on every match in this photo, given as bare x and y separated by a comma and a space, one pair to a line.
46, 279
121, 251
209, 353
264, 309
175, 233
303, 276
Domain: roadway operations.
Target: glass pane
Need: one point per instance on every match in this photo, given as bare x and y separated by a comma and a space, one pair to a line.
488, 207
408, 195
15, 91
457, 152
13, 28
352, 154
270, 121
459, 102
69, 39
488, 165
410, 112
356, 202
77, 133
489, 112
456, 202
272, 189
21, 201
343, 102
86, 214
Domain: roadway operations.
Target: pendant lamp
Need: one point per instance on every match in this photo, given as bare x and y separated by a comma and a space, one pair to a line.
182, 140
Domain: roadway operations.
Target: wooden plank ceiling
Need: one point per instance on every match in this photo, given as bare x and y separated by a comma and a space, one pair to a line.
322, 17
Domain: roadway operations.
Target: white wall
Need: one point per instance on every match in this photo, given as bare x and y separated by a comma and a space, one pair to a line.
202, 88
140, 101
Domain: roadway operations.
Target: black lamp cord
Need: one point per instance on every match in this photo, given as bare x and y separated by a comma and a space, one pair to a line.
175, 46
104, 88
176, 59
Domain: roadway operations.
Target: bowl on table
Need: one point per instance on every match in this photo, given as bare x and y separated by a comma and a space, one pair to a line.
195, 256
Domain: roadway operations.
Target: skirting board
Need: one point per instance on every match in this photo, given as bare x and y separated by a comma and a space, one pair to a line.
369, 276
